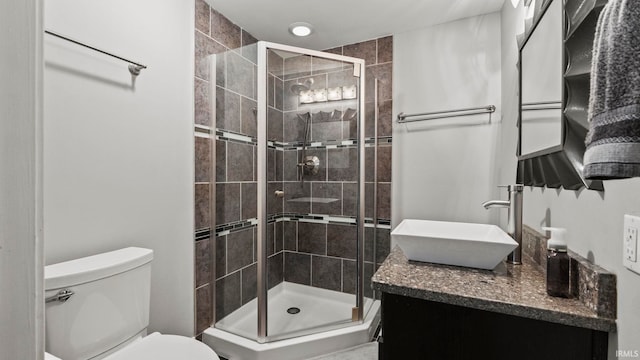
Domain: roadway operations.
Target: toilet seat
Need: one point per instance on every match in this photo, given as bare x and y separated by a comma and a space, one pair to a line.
157, 346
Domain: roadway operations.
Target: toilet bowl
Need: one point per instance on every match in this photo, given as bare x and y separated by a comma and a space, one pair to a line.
97, 308
157, 346
48, 356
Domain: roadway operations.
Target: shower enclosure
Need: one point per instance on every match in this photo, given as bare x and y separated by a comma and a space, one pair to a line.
290, 196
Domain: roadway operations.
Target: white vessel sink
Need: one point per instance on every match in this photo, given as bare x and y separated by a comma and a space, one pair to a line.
453, 243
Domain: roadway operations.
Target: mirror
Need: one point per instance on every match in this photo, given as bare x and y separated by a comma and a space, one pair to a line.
541, 84
555, 70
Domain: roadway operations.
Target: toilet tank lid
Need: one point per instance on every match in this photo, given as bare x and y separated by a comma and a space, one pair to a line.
91, 268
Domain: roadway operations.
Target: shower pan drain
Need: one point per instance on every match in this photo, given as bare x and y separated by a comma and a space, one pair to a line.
293, 310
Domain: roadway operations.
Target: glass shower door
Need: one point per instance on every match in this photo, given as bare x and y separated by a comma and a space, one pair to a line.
312, 109
287, 203
229, 79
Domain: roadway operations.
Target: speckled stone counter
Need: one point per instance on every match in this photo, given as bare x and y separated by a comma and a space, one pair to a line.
518, 290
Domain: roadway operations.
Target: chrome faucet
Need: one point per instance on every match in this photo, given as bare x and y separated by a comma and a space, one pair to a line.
514, 222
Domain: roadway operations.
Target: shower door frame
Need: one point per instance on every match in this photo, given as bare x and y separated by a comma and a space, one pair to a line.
262, 288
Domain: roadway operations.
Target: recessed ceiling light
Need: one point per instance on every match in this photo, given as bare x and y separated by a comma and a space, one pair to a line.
300, 29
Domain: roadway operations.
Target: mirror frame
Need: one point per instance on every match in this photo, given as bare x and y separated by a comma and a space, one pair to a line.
561, 165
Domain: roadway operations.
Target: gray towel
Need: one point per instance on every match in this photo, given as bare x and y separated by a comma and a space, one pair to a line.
613, 140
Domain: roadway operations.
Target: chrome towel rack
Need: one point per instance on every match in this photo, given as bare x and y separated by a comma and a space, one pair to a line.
488, 109
134, 67
542, 105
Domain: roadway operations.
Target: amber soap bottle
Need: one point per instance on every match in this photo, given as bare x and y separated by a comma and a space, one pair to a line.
557, 263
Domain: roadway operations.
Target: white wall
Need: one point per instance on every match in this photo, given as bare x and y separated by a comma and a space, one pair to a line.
594, 220
512, 22
21, 304
118, 162
443, 170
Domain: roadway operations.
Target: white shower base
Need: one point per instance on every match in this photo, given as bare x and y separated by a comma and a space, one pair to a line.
318, 307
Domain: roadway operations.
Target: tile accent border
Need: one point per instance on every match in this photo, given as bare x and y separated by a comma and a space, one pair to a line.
231, 136
225, 229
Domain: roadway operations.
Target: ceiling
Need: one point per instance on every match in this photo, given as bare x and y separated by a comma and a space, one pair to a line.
340, 22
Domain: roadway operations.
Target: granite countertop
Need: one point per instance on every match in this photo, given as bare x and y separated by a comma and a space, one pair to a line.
518, 290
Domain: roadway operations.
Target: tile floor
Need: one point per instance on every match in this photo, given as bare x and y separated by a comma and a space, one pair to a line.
368, 351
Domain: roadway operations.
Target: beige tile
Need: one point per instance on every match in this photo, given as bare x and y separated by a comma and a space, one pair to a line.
224, 31
249, 200
227, 203
364, 50
240, 162
201, 93
275, 265
228, 294
297, 268
342, 241
312, 238
335, 50
248, 117
249, 283
239, 249
203, 16
385, 118
297, 66
221, 161
321, 189
240, 75
227, 110
202, 159
204, 261
385, 49
204, 308
385, 78
202, 217
249, 48
384, 163
205, 46
325, 273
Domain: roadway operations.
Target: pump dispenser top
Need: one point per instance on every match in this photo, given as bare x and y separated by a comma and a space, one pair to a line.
557, 241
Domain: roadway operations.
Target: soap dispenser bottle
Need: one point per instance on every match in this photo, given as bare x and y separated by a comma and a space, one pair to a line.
557, 263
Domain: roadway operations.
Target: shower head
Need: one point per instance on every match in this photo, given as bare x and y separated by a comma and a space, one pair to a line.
301, 86
298, 87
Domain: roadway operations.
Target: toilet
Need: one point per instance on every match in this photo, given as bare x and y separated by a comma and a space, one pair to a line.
97, 307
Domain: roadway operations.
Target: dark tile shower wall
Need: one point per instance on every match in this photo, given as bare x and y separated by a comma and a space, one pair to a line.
234, 173
323, 254
380, 69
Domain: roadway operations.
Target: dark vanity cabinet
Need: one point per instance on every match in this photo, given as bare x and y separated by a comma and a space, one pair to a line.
420, 329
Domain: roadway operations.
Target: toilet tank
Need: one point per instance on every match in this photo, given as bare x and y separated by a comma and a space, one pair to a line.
109, 305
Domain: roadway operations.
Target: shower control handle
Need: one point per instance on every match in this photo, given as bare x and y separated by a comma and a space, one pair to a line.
278, 193
310, 165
